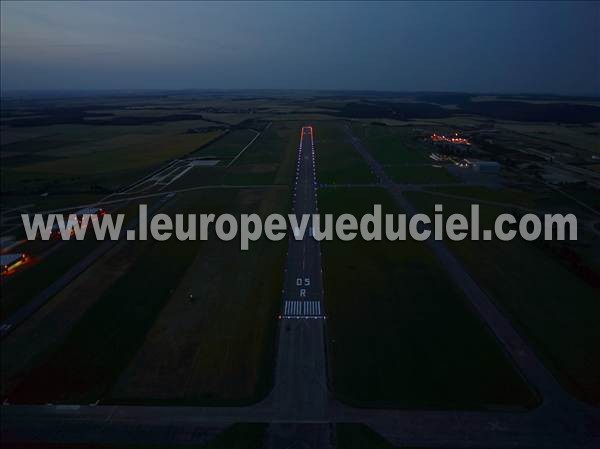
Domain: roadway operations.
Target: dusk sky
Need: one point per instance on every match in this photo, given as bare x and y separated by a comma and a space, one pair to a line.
478, 47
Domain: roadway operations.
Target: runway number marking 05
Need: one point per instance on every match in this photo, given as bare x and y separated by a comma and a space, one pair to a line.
303, 282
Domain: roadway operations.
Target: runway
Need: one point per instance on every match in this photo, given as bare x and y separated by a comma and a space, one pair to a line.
300, 390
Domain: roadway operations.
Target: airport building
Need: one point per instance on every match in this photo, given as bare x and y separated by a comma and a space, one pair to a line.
9, 262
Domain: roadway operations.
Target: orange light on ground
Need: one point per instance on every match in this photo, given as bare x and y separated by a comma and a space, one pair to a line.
453, 139
9, 270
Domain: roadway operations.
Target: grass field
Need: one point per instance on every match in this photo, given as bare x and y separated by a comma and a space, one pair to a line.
126, 153
269, 160
401, 334
43, 271
405, 156
392, 145
88, 361
550, 304
40, 274
28, 345
218, 348
504, 195
337, 161
541, 198
226, 148
37, 203
581, 140
419, 174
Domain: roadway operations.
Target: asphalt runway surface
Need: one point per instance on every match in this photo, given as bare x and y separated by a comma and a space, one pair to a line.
300, 392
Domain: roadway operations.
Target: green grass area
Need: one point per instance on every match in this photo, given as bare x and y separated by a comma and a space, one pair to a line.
588, 195
579, 139
419, 174
269, 160
541, 199
503, 195
217, 348
549, 303
23, 183
37, 277
37, 203
268, 148
238, 436
401, 334
402, 152
228, 146
256, 176
392, 145
89, 360
336, 159
45, 268
199, 176
126, 152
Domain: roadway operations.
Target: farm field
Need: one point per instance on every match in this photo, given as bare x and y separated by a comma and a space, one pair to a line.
86, 158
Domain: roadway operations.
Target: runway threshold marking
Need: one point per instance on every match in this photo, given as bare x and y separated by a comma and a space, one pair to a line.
302, 309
